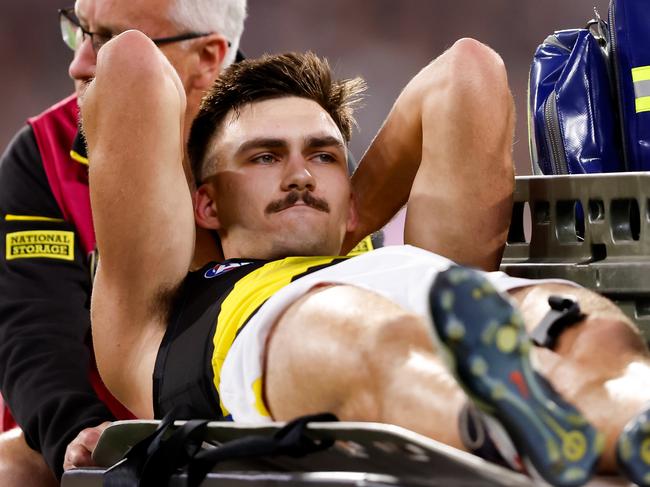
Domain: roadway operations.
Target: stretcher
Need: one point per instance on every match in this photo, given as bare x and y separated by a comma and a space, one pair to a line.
591, 229
363, 454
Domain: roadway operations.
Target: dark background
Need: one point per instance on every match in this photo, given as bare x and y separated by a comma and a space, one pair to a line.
385, 41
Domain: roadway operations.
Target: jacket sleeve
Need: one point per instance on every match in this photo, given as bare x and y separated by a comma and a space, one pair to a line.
44, 309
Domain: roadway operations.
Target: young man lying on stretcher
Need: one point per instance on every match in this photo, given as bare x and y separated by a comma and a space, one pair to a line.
277, 330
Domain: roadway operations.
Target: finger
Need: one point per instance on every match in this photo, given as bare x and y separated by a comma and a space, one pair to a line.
90, 436
76, 456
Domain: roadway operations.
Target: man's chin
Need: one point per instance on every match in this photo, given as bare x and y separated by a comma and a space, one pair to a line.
311, 244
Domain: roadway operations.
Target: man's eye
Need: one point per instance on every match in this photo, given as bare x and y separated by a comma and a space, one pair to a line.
100, 39
264, 159
325, 157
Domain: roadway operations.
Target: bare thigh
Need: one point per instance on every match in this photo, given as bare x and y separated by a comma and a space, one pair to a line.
352, 352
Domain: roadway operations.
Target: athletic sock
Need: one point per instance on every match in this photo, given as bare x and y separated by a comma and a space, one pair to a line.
479, 438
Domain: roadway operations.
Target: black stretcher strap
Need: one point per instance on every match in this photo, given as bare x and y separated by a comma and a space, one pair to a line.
152, 461
564, 312
291, 440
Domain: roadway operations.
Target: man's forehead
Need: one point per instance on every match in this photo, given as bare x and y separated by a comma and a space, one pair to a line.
286, 117
149, 16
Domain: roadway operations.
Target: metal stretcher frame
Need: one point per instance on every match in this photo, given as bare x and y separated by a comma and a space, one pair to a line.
593, 229
364, 454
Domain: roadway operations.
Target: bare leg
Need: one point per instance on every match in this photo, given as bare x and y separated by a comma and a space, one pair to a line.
20, 465
600, 364
364, 359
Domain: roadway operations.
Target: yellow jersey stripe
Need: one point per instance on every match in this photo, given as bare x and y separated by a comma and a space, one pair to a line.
364, 246
29, 218
248, 294
78, 157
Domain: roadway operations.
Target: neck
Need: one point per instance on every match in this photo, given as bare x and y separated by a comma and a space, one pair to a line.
205, 249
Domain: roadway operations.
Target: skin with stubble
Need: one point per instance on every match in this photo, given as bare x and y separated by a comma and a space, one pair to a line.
281, 185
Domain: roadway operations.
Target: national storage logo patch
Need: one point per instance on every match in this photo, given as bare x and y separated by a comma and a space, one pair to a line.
52, 244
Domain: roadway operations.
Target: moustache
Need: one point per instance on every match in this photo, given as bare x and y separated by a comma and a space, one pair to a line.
293, 197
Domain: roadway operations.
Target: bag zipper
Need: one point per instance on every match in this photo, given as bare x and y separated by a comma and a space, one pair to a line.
613, 60
553, 136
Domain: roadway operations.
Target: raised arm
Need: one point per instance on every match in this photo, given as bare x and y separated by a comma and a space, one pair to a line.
446, 149
132, 117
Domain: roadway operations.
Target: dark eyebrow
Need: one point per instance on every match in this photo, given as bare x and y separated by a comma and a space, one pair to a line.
323, 141
261, 142
312, 142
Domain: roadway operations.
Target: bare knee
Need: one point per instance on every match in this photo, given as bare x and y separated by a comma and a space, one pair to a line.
323, 356
606, 336
20, 465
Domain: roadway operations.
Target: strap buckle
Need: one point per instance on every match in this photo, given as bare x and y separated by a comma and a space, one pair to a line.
564, 312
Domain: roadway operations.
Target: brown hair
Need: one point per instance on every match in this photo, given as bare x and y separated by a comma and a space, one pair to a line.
272, 76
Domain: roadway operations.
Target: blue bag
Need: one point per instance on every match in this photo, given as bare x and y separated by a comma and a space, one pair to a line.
572, 122
629, 46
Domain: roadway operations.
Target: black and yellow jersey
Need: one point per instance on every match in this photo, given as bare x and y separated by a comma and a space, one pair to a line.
213, 306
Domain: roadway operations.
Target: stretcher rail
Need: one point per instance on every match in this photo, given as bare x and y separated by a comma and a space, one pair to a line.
593, 229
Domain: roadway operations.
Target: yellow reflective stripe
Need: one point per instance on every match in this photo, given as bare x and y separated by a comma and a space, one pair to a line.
364, 246
78, 157
248, 294
28, 218
642, 104
641, 73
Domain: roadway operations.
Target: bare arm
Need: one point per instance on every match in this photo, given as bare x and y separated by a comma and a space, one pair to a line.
132, 117
446, 149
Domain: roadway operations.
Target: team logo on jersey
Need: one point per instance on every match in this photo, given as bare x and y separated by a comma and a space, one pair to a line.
223, 268
50, 244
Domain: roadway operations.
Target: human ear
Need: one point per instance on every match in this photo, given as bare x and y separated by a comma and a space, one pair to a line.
353, 215
205, 208
211, 53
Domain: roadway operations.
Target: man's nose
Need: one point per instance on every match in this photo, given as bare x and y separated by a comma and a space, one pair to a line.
82, 67
297, 175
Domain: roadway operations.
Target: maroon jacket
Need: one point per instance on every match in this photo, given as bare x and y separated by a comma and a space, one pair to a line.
47, 372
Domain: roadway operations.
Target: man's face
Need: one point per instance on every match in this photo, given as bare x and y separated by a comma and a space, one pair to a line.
111, 17
281, 186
